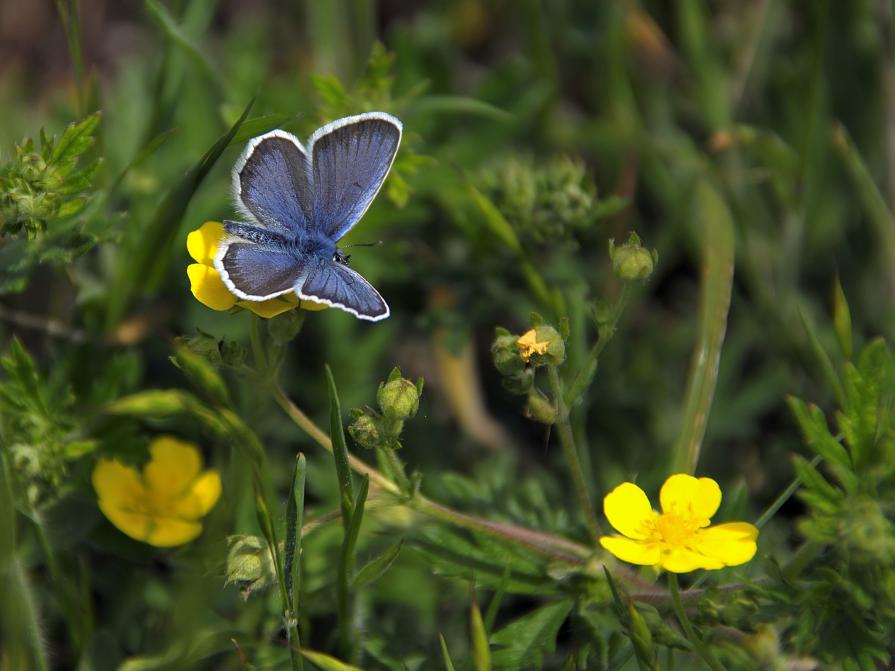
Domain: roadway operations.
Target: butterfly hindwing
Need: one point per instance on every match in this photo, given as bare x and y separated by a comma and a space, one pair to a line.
257, 272
272, 184
350, 159
339, 286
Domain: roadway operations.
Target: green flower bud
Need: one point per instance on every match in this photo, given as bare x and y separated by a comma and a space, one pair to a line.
505, 354
542, 345
641, 637
365, 431
539, 408
249, 564
519, 383
399, 398
632, 261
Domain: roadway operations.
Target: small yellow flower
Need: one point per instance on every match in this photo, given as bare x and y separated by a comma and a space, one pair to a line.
529, 346
210, 290
679, 539
163, 505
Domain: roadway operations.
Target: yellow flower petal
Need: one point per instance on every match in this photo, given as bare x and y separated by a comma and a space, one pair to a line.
684, 560
270, 308
313, 306
685, 495
628, 509
167, 532
174, 466
117, 485
203, 494
731, 544
202, 244
208, 287
634, 552
529, 346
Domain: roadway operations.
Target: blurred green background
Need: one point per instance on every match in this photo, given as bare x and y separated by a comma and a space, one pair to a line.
579, 121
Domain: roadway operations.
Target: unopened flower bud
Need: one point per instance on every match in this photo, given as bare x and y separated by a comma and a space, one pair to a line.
519, 383
365, 431
540, 409
249, 564
505, 354
632, 261
542, 345
399, 398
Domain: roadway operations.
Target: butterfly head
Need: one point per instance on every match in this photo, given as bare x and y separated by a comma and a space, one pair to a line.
339, 257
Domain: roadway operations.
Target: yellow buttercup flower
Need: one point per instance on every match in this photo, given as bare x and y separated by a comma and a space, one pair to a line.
679, 539
163, 505
210, 290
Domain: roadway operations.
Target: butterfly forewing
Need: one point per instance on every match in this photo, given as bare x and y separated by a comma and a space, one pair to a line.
272, 185
339, 286
350, 159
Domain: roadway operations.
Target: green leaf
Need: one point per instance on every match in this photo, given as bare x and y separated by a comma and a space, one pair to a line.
822, 357
295, 514
76, 139
821, 492
142, 263
716, 227
376, 568
340, 449
326, 662
481, 653
445, 655
454, 104
524, 642
842, 320
817, 435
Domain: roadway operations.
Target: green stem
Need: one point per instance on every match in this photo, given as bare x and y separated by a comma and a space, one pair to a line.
700, 647
547, 545
589, 368
258, 346
567, 440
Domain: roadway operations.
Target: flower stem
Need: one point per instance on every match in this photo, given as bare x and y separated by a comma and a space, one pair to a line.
588, 369
704, 651
567, 440
547, 545
258, 346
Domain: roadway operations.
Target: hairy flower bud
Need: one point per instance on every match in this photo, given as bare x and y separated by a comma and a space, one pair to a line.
505, 353
632, 261
365, 431
249, 564
540, 409
399, 398
519, 383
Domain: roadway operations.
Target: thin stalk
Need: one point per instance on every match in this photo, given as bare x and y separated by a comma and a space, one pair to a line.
258, 346
548, 545
567, 440
589, 368
704, 651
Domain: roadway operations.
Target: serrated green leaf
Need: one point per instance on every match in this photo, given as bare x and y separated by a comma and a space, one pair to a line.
76, 139
525, 642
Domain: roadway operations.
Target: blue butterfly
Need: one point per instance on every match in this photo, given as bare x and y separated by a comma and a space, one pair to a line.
299, 202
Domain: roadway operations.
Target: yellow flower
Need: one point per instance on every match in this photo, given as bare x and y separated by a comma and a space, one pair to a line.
528, 345
163, 505
210, 290
679, 539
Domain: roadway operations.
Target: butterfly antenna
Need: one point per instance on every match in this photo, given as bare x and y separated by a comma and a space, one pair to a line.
363, 244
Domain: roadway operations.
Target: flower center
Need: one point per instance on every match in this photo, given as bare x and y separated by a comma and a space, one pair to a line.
674, 529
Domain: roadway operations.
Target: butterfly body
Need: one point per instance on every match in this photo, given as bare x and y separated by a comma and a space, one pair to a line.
299, 204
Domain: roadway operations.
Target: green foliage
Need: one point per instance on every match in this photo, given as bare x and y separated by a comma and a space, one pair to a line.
747, 143
849, 505
45, 192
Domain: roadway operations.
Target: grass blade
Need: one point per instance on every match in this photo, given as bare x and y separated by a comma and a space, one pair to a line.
717, 280
346, 571
146, 258
340, 450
